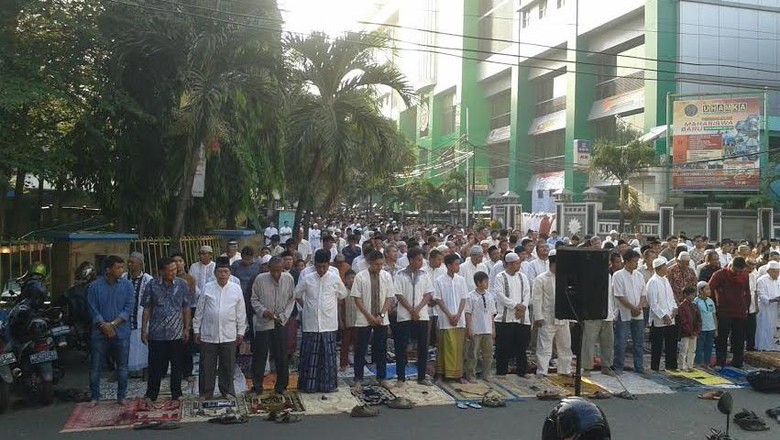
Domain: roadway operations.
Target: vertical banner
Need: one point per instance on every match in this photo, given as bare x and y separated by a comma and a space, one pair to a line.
716, 144
199, 182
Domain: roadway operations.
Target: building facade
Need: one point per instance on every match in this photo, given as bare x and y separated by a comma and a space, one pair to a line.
521, 83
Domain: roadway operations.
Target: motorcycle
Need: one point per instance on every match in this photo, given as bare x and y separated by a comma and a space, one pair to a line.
7, 360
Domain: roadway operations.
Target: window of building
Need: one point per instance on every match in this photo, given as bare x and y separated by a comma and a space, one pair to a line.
548, 150
500, 109
526, 18
550, 93
621, 70
561, 3
499, 161
495, 26
630, 126
542, 9
447, 111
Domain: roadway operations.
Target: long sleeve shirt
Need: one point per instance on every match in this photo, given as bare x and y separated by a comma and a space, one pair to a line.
519, 293
276, 297
544, 299
109, 301
661, 300
467, 271
221, 313
689, 319
203, 274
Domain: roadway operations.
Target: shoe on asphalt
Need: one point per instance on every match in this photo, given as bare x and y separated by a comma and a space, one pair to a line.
425, 382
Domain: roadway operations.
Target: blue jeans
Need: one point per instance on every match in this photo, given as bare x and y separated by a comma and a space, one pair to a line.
704, 347
637, 329
120, 350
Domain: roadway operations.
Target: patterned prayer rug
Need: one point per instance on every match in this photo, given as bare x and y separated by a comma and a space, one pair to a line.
703, 377
341, 401
373, 395
267, 402
164, 410
567, 383
634, 383
423, 395
521, 387
195, 410
475, 391
106, 415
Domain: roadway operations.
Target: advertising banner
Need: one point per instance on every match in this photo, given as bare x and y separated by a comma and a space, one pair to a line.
716, 144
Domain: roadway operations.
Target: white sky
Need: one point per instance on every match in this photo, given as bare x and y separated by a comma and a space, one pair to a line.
330, 16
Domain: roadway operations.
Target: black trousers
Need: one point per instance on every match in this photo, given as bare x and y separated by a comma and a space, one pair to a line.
190, 348
162, 353
404, 332
750, 332
275, 342
512, 342
733, 329
663, 339
377, 337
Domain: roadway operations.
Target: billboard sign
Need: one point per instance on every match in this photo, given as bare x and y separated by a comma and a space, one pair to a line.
582, 150
716, 144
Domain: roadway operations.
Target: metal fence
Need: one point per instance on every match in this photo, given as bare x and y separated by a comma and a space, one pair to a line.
156, 248
17, 256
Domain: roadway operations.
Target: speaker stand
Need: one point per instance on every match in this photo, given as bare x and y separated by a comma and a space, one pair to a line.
578, 367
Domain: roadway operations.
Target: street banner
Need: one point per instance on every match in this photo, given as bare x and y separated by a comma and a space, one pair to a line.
716, 144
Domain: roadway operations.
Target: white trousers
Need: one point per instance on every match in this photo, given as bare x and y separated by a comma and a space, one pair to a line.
561, 336
687, 352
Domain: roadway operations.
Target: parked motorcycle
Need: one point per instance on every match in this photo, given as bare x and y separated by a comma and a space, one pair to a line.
7, 361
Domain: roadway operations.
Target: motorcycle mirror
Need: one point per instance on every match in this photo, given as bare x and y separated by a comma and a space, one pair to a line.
726, 403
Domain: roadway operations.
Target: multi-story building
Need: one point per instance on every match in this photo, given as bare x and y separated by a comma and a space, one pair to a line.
519, 81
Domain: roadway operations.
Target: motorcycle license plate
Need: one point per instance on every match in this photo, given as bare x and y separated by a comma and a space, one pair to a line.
43, 356
7, 359
60, 331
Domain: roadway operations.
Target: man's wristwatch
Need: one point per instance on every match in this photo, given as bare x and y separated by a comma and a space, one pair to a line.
383, 315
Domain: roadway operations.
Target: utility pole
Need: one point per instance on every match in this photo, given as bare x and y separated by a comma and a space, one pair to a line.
468, 211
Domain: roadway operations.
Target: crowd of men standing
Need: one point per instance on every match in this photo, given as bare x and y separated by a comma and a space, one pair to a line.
321, 301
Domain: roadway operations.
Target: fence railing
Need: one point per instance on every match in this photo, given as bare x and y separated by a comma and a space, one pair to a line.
17, 256
156, 248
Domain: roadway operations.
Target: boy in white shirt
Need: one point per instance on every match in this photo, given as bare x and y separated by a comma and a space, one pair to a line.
480, 328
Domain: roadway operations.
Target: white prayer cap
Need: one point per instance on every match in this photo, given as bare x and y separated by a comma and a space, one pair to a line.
684, 256
476, 250
442, 248
613, 232
511, 257
658, 262
487, 242
773, 265
265, 259
634, 243
701, 285
206, 249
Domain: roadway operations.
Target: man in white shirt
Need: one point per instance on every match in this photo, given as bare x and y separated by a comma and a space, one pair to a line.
304, 247
434, 269
232, 251
472, 265
203, 270
768, 288
285, 232
315, 237
450, 292
372, 293
532, 269
551, 330
219, 326
318, 293
269, 232
724, 254
513, 322
663, 309
602, 330
628, 288
272, 300
413, 291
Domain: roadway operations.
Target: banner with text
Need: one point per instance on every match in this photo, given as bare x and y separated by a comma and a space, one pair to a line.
717, 144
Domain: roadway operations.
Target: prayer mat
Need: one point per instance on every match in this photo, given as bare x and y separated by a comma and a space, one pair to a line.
269, 382
266, 402
373, 395
195, 410
106, 415
341, 401
475, 391
521, 387
738, 376
349, 372
634, 383
676, 383
423, 395
703, 377
164, 410
392, 373
763, 359
567, 383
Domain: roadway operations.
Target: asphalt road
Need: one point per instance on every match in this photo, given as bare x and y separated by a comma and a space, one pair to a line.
671, 416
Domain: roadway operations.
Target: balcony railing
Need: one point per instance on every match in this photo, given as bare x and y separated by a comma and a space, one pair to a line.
551, 106
620, 85
547, 164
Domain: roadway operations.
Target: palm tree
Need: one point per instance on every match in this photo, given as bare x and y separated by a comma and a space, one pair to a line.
335, 126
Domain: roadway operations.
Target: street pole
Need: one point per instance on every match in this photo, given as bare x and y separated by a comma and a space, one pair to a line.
467, 173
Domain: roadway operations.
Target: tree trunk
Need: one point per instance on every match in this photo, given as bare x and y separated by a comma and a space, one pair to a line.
40, 202
184, 198
17, 217
621, 207
3, 205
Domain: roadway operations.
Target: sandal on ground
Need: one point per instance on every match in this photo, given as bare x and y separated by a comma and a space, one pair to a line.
461, 405
288, 417
364, 411
601, 395
749, 421
774, 413
625, 395
492, 402
549, 395
474, 405
230, 419
400, 403
711, 395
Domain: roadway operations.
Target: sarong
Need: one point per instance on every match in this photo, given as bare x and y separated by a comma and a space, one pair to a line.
138, 359
317, 371
449, 353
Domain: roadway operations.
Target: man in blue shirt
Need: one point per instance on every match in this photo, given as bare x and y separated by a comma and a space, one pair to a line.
110, 300
166, 327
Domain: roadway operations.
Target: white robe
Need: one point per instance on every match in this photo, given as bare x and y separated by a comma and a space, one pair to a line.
766, 320
138, 358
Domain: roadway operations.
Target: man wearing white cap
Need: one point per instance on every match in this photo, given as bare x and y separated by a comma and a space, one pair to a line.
315, 239
203, 270
551, 330
513, 321
663, 308
472, 265
613, 238
768, 288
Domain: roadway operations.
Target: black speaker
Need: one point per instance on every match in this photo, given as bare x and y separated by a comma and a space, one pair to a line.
581, 283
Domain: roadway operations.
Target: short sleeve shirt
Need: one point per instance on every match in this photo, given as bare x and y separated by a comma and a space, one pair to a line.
167, 301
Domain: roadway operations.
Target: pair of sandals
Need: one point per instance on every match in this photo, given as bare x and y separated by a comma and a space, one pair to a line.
750, 421
156, 426
284, 416
774, 413
229, 419
492, 402
549, 395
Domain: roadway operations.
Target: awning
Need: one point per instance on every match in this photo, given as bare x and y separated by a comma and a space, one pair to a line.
615, 105
653, 134
499, 135
546, 181
548, 123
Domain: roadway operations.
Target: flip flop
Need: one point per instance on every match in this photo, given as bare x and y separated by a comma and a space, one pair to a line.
749, 421
549, 395
601, 395
710, 395
288, 418
474, 405
461, 405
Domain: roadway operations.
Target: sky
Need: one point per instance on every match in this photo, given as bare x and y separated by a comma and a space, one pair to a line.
330, 16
